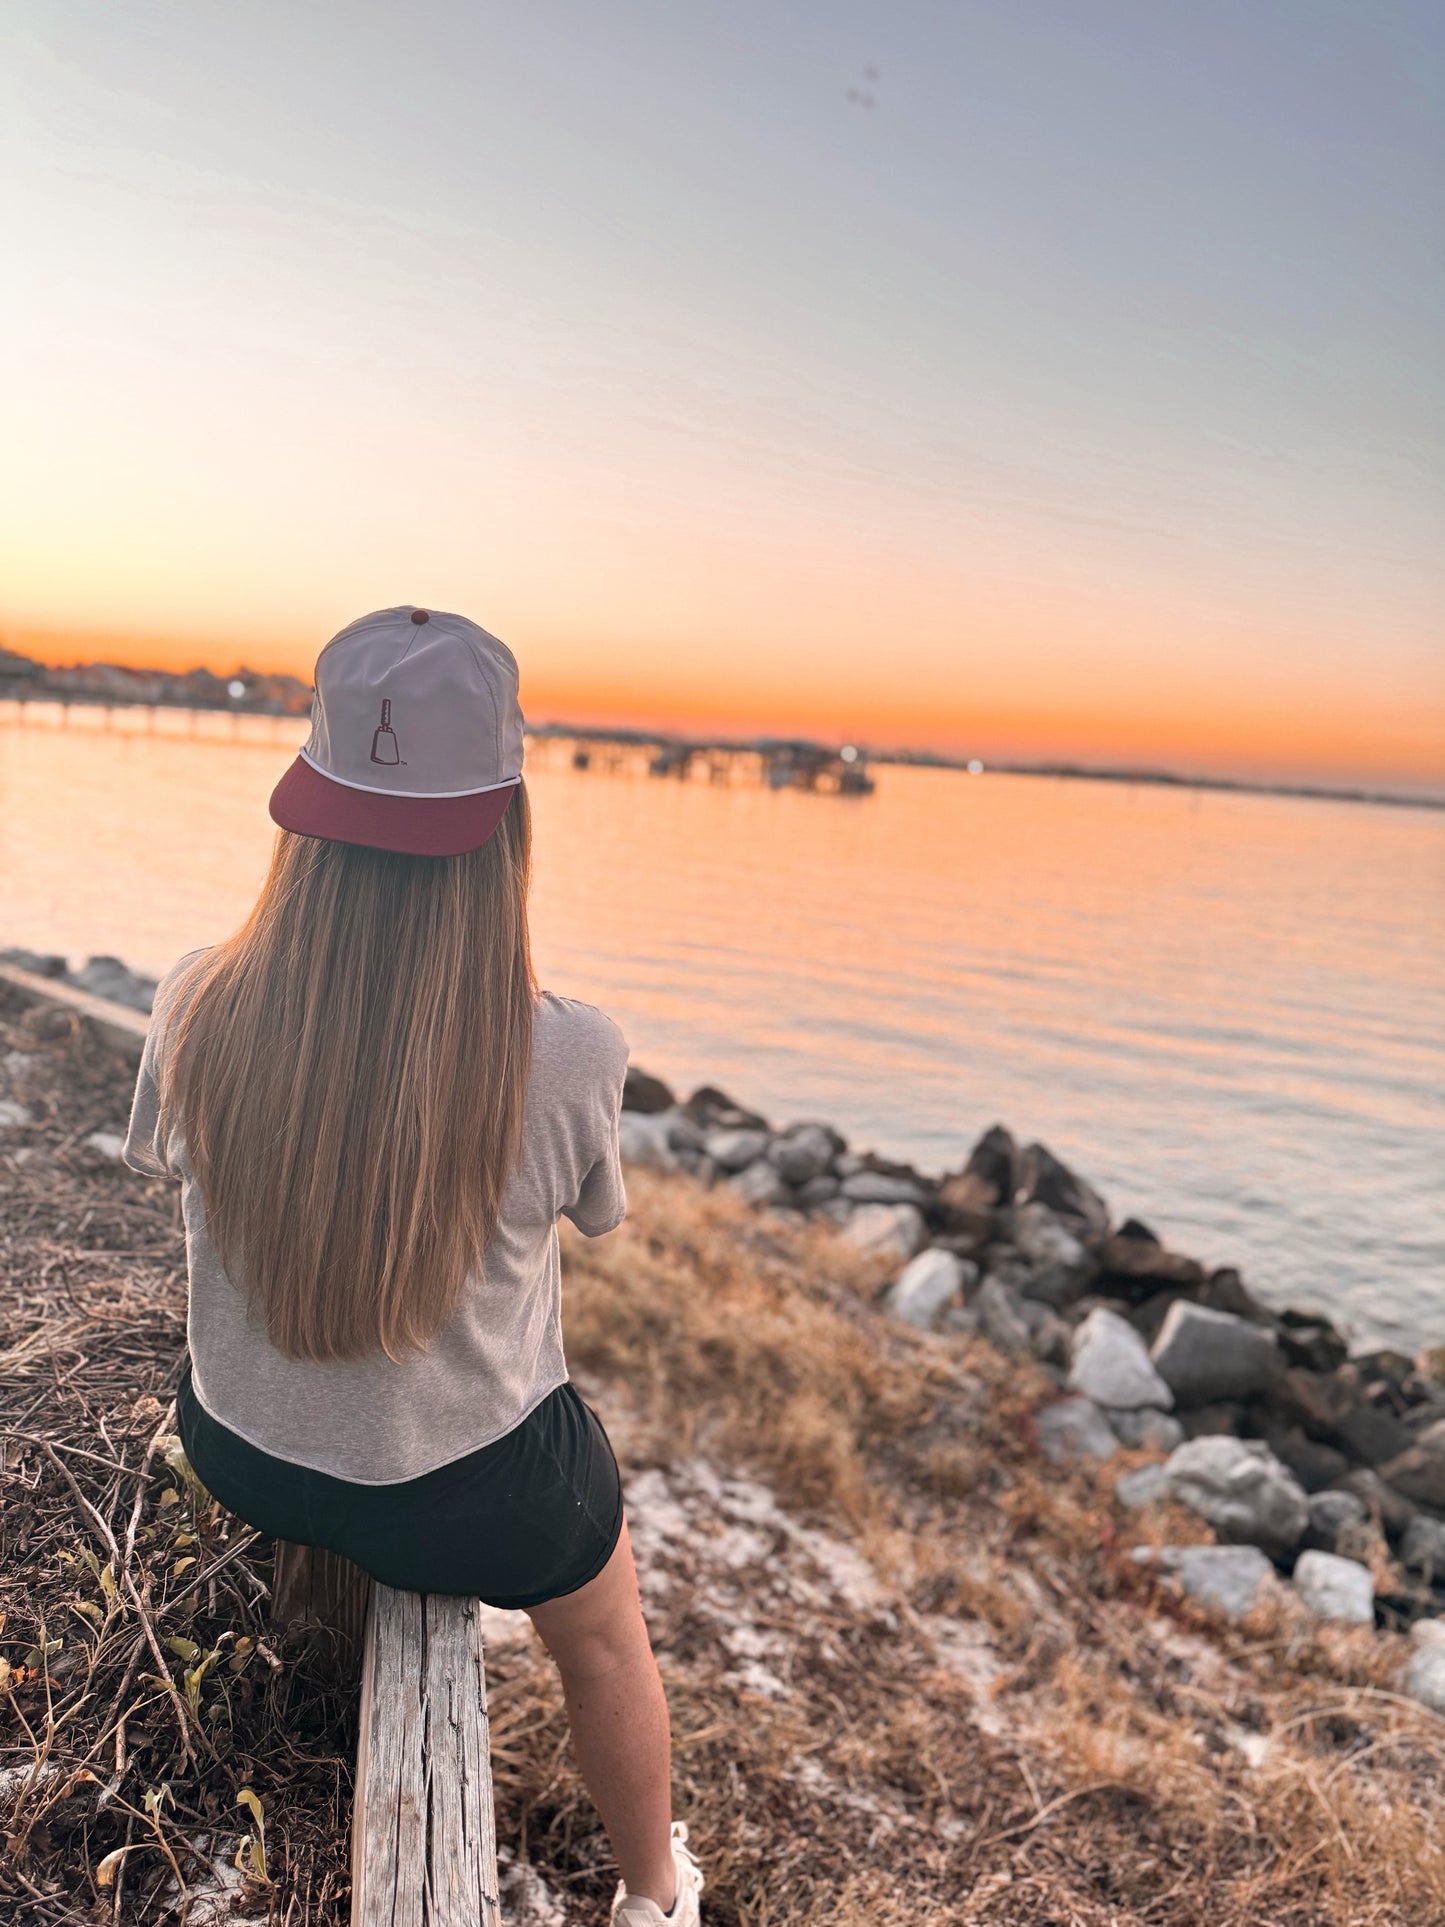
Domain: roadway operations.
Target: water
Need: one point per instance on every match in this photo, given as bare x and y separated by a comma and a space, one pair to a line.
1228, 1011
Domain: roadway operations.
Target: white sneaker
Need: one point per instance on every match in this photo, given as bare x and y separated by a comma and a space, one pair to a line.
635, 1910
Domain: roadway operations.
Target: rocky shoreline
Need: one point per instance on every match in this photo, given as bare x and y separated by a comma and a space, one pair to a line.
1316, 1468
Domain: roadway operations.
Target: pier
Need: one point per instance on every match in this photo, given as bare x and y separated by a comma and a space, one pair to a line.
774, 763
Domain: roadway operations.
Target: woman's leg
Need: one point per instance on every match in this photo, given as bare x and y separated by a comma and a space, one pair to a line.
619, 1718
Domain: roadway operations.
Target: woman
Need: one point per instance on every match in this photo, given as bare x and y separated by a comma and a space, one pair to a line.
376, 1119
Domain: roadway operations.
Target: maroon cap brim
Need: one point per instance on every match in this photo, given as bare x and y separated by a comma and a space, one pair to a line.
313, 805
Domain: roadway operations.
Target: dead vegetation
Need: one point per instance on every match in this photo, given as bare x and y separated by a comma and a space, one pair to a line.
914, 1675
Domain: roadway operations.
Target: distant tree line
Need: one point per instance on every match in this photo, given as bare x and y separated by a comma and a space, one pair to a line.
22, 678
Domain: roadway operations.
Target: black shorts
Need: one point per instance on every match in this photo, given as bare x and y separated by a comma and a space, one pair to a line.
532, 1516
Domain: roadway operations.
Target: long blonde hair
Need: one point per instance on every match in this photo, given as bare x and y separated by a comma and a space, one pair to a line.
348, 1072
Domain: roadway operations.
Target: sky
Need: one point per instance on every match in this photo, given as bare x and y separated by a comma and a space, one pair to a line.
1029, 378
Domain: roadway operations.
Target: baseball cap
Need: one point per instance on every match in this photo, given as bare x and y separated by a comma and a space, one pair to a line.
416, 736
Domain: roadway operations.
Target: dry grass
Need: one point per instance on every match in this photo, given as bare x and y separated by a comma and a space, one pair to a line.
1133, 1769
913, 1674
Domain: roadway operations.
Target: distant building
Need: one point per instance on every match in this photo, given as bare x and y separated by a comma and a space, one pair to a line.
18, 672
110, 682
106, 681
197, 688
288, 694
278, 695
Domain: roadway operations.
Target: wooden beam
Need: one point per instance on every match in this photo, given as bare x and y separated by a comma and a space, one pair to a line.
423, 1828
122, 1028
423, 1840
389, 1814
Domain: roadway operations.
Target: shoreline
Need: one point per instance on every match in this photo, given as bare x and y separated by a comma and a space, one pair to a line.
1339, 1286
1290, 1440
1284, 1438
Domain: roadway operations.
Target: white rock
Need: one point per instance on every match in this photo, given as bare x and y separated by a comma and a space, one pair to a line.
1151, 1430
732, 1150
31, 1774
1111, 1364
642, 1139
1073, 1428
1226, 1577
1335, 1588
215, 1897
926, 1285
1142, 1487
13, 1116
1242, 1489
527, 1900
804, 1152
1044, 1239
1424, 1675
107, 1144
31, 1157
1203, 1355
877, 1187
1001, 1318
885, 1230
759, 1183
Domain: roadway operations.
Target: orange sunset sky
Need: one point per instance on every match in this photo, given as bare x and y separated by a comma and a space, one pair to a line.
1032, 381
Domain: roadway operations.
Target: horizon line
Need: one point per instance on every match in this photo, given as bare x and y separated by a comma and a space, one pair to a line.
896, 755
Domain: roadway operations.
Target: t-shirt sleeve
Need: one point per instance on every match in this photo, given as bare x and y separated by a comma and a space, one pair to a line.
145, 1148
601, 1202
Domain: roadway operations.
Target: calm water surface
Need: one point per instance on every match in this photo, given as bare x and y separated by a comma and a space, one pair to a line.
1228, 1011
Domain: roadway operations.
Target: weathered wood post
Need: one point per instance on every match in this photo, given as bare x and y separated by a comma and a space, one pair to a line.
423, 1826
309, 1583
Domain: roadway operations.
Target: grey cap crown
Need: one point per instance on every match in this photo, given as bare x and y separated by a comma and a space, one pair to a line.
453, 726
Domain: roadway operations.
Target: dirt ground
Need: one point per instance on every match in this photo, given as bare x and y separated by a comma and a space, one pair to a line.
914, 1674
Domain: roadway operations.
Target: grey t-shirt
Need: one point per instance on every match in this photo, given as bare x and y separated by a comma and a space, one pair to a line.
497, 1357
